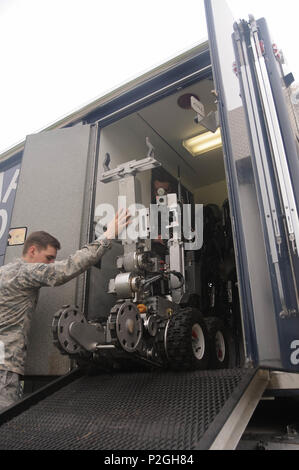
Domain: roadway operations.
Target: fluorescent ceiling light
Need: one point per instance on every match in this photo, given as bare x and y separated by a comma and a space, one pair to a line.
203, 143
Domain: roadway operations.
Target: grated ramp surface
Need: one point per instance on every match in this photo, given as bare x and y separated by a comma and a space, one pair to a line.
129, 411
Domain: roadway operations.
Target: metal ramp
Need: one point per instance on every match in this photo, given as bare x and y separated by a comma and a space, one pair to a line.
136, 411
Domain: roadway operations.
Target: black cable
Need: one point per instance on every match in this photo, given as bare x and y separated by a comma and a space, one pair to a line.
180, 277
162, 276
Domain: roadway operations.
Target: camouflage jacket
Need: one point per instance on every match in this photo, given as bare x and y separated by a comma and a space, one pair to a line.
19, 287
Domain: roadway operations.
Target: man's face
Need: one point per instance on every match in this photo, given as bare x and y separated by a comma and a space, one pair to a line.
42, 255
161, 184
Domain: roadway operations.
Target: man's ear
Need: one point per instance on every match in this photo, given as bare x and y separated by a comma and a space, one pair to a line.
32, 251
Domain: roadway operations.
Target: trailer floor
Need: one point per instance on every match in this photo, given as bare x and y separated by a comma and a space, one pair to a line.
128, 411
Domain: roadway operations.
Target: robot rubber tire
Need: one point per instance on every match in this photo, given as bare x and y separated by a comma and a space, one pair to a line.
222, 355
186, 341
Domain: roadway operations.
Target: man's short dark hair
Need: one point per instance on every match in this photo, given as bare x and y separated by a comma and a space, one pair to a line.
41, 240
160, 174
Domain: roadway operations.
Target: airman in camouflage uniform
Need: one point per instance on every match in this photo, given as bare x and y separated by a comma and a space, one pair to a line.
20, 282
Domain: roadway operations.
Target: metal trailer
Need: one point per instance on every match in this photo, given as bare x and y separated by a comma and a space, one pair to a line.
52, 181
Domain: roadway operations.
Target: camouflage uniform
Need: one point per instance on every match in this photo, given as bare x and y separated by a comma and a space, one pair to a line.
19, 287
10, 388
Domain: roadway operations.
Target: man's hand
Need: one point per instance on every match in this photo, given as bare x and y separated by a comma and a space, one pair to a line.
116, 226
159, 240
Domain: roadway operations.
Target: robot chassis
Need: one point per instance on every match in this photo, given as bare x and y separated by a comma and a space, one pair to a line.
151, 321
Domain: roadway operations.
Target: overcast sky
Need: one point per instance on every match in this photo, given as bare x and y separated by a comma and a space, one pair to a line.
58, 55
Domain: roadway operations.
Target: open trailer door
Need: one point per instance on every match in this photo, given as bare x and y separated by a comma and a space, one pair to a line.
259, 162
54, 193
9, 175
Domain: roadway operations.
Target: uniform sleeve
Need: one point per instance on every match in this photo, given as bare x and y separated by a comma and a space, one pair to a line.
60, 272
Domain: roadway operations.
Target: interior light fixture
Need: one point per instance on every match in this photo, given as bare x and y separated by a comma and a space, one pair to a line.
203, 143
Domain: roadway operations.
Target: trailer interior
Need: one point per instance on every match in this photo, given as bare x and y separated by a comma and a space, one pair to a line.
168, 124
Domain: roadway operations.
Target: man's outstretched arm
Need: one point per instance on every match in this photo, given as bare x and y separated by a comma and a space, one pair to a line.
60, 272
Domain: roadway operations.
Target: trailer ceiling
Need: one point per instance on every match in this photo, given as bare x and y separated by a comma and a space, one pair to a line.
168, 125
